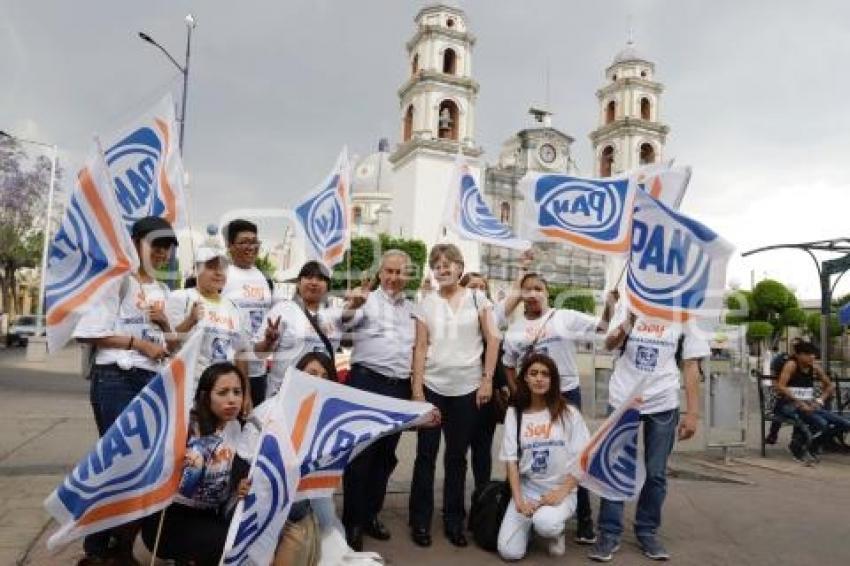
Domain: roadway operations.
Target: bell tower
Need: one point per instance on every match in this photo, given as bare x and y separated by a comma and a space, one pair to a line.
630, 132
437, 119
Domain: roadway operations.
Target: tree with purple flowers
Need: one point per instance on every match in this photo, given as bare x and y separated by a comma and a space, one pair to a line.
24, 183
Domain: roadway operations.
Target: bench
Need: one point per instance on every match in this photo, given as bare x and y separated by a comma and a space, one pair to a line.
767, 404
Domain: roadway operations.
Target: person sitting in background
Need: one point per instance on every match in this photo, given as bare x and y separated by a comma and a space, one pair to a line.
543, 436
797, 401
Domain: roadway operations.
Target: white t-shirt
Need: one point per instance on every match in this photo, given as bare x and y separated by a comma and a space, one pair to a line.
453, 362
224, 333
108, 318
297, 337
557, 333
249, 291
651, 352
548, 448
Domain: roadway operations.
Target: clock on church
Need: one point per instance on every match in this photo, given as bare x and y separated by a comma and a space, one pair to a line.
548, 153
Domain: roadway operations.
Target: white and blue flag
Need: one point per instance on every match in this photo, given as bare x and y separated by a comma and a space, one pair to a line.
610, 465
467, 215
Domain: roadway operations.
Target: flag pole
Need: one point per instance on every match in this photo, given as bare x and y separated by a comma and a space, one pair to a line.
158, 535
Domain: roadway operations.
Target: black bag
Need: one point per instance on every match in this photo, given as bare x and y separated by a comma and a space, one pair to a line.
489, 504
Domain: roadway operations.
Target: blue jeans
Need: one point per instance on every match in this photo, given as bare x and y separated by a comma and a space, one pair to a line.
659, 434
112, 389
583, 510
821, 420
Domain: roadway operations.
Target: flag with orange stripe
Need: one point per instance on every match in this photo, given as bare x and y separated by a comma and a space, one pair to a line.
331, 423
135, 468
90, 253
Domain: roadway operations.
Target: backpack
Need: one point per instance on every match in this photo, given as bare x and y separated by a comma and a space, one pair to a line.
777, 363
489, 504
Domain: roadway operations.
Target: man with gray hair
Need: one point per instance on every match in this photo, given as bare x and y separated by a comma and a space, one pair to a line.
383, 334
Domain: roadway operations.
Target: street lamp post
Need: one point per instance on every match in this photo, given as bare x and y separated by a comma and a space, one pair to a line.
184, 69
50, 192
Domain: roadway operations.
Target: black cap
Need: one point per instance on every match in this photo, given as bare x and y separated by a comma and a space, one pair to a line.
156, 226
314, 268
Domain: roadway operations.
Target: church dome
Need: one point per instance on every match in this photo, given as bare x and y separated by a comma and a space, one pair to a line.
372, 173
628, 54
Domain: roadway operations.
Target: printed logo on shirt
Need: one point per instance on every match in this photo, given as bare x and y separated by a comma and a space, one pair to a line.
219, 348
533, 431
646, 358
220, 320
539, 461
253, 292
256, 317
655, 328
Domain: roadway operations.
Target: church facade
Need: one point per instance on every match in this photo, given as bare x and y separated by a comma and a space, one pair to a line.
402, 191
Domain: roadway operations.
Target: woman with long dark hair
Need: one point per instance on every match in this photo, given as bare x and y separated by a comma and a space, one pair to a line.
543, 437
195, 525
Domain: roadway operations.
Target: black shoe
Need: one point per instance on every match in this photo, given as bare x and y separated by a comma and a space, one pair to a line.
377, 530
457, 538
584, 532
771, 438
354, 538
421, 537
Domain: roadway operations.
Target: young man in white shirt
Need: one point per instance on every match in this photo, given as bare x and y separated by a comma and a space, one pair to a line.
251, 292
128, 328
647, 350
383, 332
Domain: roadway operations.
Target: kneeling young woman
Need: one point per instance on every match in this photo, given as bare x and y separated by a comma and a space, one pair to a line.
551, 435
195, 525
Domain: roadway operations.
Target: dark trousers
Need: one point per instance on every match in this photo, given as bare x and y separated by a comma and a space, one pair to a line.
366, 477
459, 418
112, 389
189, 535
258, 388
583, 511
482, 445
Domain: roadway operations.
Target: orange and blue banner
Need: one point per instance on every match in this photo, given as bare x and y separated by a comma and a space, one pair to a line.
591, 214
677, 266
136, 466
610, 465
324, 218
147, 169
90, 253
469, 217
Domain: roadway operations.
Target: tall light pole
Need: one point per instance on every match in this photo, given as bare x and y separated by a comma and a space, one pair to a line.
50, 192
184, 69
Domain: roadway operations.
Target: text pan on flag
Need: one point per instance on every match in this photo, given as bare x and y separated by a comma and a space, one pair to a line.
467, 215
259, 518
146, 167
610, 465
324, 218
90, 253
332, 423
677, 266
591, 214
135, 468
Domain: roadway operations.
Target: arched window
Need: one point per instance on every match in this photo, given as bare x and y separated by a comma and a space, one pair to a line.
610, 112
647, 153
449, 61
408, 124
447, 125
414, 65
356, 215
505, 213
606, 161
645, 109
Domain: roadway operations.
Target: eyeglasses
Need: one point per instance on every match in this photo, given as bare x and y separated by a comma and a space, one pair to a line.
248, 244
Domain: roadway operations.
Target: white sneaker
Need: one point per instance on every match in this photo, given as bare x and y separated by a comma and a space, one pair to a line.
558, 545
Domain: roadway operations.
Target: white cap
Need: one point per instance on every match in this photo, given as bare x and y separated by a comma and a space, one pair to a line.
205, 253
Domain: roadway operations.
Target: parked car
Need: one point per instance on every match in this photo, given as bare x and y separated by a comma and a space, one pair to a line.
22, 328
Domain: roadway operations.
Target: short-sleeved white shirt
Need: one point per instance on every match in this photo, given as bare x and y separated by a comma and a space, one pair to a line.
651, 352
224, 333
298, 337
455, 344
558, 331
549, 449
384, 331
109, 318
249, 291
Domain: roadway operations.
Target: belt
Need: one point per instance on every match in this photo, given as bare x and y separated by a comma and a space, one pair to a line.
379, 376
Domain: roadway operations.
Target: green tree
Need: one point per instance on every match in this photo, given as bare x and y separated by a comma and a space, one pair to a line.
759, 330
567, 297
265, 264
366, 253
24, 183
769, 302
813, 325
